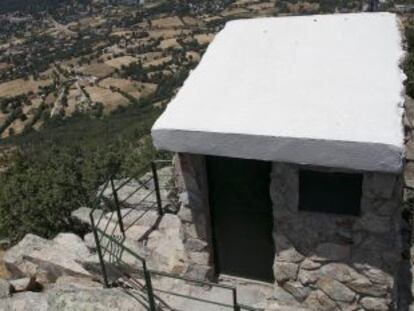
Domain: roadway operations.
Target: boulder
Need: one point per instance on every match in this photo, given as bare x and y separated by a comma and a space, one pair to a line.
195, 245
89, 240
62, 257
25, 301
146, 217
355, 280
308, 264
290, 255
73, 244
319, 301
341, 272
282, 296
94, 299
375, 304
26, 284
15, 260
71, 282
74, 299
167, 252
278, 306
48, 259
336, 290
199, 272
82, 214
5, 289
297, 290
307, 277
285, 271
200, 258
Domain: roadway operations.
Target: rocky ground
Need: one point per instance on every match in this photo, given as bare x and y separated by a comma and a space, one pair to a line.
64, 273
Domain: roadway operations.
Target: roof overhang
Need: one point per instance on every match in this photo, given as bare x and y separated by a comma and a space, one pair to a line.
315, 90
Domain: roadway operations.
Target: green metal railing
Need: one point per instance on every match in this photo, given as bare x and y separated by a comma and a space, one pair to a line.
109, 229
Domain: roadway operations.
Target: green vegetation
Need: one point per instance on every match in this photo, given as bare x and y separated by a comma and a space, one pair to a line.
59, 169
409, 61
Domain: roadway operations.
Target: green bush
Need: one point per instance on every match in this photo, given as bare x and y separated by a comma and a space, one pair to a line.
409, 61
59, 169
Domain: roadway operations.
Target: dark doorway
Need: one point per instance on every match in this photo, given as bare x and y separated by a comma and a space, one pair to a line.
242, 217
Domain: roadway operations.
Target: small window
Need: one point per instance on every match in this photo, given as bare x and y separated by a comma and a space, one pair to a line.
325, 192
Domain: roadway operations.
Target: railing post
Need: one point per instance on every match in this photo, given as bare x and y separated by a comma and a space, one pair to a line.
157, 188
148, 285
99, 251
118, 210
235, 303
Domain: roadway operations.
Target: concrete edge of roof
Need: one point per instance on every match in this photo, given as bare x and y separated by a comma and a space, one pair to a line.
346, 155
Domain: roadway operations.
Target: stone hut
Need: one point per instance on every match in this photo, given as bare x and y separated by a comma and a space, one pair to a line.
290, 149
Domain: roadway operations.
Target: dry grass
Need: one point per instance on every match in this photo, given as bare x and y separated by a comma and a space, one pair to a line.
20, 86
50, 99
167, 22
157, 62
122, 33
211, 18
168, 33
4, 274
234, 12
204, 38
262, 6
87, 22
121, 61
191, 21
19, 125
150, 56
73, 100
97, 70
109, 99
134, 88
169, 43
244, 2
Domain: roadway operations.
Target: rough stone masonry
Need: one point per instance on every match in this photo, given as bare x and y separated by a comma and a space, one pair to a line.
322, 261
330, 262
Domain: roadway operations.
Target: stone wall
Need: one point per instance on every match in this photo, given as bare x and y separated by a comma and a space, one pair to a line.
195, 215
322, 261
336, 262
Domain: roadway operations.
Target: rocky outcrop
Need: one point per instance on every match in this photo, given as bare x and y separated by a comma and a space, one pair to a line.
25, 301
48, 259
64, 283
73, 299
29, 284
5, 289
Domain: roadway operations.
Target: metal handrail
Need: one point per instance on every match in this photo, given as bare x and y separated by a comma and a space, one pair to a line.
236, 306
116, 248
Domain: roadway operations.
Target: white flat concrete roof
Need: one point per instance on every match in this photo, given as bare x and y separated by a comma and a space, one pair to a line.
322, 90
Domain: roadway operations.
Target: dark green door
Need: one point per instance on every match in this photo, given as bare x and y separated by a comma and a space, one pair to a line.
242, 218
